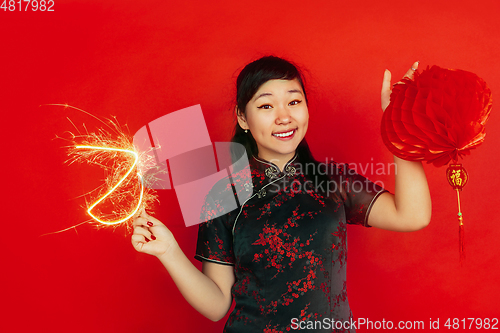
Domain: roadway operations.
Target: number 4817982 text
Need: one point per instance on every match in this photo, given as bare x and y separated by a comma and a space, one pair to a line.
27, 5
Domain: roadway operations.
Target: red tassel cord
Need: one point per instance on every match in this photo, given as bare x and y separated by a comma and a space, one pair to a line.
461, 235
458, 178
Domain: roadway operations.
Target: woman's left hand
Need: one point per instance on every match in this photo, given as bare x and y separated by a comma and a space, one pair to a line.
386, 84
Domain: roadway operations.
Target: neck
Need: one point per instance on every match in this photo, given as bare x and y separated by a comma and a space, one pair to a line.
279, 161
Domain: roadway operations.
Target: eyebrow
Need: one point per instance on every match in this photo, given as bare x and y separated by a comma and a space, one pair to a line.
291, 91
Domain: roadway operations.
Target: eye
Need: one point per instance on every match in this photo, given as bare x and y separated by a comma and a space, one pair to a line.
295, 102
265, 106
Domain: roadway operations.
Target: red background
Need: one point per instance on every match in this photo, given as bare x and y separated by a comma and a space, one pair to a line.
139, 60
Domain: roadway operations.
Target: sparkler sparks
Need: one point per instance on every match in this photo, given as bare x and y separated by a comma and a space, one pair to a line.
125, 190
111, 191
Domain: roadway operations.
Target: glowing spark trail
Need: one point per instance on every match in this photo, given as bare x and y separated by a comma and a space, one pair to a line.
115, 202
89, 210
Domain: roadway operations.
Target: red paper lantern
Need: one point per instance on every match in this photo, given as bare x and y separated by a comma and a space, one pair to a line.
438, 117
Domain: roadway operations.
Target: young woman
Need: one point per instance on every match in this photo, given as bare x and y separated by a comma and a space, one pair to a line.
282, 254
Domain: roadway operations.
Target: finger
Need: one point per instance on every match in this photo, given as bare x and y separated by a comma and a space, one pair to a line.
411, 72
143, 213
386, 89
138, 214
386, 82
143, 216
142, 239
137, 239
140, 221
143, 244
152, 221
143, 231
138, 243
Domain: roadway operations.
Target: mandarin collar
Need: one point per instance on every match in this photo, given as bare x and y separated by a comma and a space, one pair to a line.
271, 170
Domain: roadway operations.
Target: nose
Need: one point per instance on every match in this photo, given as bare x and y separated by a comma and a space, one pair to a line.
283, 115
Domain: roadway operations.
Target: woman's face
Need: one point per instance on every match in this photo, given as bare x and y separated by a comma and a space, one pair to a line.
277, 116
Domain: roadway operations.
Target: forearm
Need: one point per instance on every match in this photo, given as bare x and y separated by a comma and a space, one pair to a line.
409, 209
412, 197
198, 289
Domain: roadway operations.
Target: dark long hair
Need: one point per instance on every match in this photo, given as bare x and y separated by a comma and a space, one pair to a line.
248, 82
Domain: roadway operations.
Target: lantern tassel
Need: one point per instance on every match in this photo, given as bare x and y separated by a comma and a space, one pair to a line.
461, 232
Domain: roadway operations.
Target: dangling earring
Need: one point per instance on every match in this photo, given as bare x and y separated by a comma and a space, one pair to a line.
246, 131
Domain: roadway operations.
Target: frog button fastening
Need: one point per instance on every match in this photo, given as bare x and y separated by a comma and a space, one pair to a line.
272, 172
290, 170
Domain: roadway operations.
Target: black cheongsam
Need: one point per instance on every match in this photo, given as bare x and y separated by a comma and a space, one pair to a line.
287, 243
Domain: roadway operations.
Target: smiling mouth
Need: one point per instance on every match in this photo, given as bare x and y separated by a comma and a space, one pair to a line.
284, 134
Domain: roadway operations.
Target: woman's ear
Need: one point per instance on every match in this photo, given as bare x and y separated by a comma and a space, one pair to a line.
242, 121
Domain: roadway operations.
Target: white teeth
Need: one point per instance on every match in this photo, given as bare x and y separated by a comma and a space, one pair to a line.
282, 135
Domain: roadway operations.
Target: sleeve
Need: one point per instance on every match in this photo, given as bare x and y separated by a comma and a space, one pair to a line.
358, 193
215, 236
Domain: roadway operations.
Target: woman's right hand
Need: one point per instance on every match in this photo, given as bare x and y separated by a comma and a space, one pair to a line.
151, 236
208, 292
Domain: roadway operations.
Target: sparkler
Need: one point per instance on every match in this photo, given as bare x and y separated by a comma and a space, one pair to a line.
125, 190
113, 189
